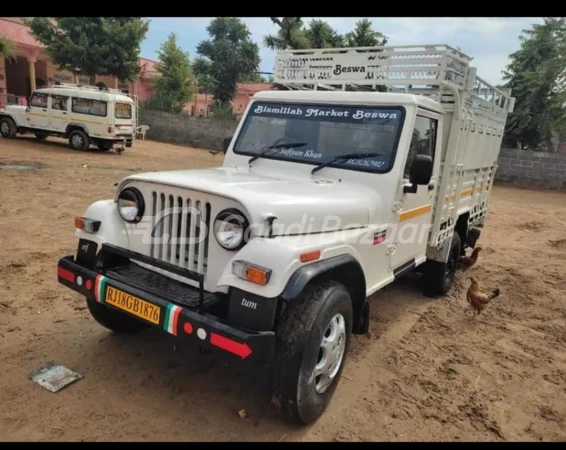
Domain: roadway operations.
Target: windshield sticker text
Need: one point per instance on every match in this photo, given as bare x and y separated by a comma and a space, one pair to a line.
354, 114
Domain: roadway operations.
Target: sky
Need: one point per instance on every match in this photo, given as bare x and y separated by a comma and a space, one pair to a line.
488, 40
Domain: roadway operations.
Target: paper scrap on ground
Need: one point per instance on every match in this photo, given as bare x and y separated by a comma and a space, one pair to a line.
54, 377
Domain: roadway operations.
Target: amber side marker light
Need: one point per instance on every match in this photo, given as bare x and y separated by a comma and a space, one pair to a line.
252, 273
310, 256
86, 224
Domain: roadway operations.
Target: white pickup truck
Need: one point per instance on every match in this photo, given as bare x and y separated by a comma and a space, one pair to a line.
329, 191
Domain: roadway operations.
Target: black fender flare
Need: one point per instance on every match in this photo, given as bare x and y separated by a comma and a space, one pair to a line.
352, 271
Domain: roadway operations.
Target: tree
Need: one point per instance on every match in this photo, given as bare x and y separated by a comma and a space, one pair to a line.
7, 47
363, 35
231, 55
175, 86
290, 35
93, 45
293, 35
322, 35
206, 84
535, 76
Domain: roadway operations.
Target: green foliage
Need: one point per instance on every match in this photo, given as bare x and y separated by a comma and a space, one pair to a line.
175, 86
230, 56
223, 111
322, 35
293, 35
290, 35
253, 78
536, 78
363, 35
95, 45
7, 47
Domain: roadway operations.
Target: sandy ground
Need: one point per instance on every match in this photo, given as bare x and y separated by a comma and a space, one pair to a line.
425, 372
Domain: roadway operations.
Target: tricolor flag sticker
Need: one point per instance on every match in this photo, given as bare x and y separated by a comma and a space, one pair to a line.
172, 318
100, 288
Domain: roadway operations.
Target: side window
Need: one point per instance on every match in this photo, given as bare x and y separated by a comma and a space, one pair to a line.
423, 141
38, 100
90, 107
59, 103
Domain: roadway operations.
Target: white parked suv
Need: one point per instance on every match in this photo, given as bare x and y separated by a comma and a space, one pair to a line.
84, 115
324, 198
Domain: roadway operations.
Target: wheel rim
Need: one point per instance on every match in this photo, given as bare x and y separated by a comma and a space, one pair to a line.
5, 128
77, 141
330, 354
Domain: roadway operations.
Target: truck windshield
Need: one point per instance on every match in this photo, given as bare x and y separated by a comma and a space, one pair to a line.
324, 132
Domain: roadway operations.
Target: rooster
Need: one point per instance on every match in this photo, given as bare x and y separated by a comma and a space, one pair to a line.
465, 262
477, 299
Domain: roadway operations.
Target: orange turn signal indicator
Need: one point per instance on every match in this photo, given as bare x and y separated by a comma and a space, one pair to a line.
310, 256
86, 224
252, 273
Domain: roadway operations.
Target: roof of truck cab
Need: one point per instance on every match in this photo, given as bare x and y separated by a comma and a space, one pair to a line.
344, 97
83, 93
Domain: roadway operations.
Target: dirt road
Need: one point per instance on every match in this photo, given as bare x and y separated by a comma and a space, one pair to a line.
425, 372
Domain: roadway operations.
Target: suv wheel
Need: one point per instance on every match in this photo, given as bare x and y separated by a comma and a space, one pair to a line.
311, 347
8, 128
78, 140
439, 277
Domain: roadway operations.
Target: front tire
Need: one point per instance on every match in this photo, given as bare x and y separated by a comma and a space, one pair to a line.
114, 320
8, 128
439, 276
78, 140
312, 342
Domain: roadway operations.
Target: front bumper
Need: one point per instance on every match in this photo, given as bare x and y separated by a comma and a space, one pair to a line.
186, 319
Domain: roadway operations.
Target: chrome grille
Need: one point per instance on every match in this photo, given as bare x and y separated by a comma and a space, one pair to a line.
177, 225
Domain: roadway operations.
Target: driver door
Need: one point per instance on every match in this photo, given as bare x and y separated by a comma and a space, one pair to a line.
415, 217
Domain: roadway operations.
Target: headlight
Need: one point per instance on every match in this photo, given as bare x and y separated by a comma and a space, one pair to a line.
229, 229
131, 205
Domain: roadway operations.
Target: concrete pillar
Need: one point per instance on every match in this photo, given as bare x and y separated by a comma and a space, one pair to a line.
115, 82
31, 63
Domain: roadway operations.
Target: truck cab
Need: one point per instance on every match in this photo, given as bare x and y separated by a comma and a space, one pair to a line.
325, 196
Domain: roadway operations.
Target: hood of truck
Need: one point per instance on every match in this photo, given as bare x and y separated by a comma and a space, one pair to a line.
17, 109
315, 202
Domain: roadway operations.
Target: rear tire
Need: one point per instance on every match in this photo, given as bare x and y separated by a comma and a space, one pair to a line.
40, 136
438, 277
114, 320
312, 338
8, 128
78, 140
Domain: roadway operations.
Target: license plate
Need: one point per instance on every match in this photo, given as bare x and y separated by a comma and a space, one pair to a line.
133, 305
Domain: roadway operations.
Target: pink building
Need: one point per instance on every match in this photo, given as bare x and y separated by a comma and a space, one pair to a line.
32, 68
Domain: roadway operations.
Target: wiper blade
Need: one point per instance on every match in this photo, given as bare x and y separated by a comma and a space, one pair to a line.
276, 146
347, 156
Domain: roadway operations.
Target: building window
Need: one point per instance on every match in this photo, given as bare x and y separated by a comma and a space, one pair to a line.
38, 100
59, 103
91, 107
423, 141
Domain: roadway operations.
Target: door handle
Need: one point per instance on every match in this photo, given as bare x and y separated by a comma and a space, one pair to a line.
64, 112
45, 110
431, 186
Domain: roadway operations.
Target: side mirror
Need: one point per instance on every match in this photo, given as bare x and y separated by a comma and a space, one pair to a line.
227, 143
421, 172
